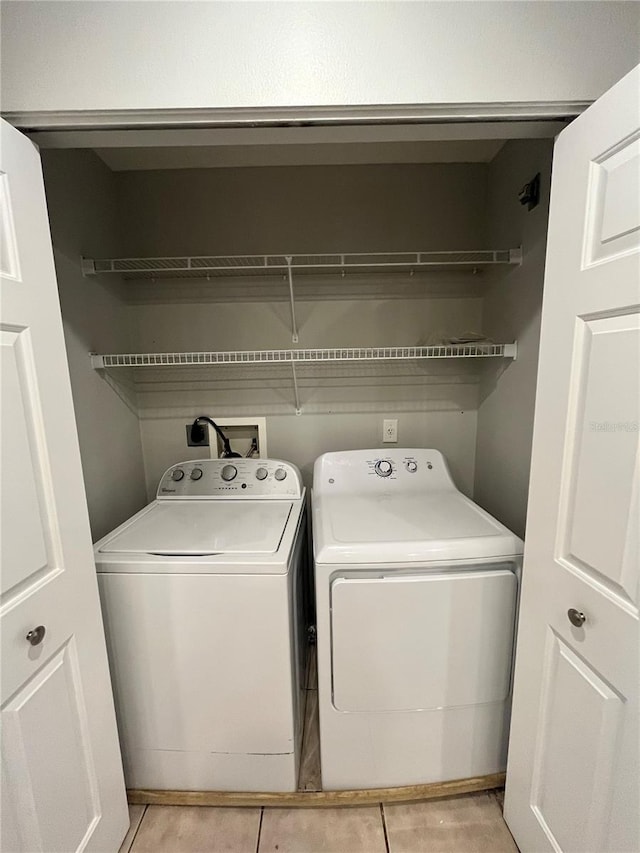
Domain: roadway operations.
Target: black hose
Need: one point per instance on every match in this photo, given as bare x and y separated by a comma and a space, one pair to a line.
197, 435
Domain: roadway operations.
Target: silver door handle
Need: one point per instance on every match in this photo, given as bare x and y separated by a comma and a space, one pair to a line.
36, 635
576, 617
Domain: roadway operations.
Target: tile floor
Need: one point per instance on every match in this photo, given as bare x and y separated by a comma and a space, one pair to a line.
309, 778
471, 823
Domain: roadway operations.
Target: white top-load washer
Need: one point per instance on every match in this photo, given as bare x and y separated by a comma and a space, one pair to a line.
416, 594
201, 595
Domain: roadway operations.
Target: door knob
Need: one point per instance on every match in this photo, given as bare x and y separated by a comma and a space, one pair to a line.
576, 617
36, 635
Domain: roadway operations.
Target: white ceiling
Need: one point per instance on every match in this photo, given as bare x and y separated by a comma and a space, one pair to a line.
327, 153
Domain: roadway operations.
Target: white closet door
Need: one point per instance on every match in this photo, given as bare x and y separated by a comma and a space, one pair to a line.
572, 778
63, 788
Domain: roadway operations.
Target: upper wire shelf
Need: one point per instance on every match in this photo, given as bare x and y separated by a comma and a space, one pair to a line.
218, 266
303, 356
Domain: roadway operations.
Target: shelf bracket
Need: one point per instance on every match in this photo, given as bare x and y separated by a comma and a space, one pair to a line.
511, 350
294, 327
88, 266
296, 394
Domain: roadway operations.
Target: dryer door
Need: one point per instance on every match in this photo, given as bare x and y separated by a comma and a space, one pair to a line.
422, 641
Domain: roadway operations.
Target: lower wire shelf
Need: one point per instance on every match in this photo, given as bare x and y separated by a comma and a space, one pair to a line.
304, 356
296, 357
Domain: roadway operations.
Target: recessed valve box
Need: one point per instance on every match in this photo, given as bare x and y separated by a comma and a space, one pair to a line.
247, 436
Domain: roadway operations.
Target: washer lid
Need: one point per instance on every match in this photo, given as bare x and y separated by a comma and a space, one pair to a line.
202, 528
397, 528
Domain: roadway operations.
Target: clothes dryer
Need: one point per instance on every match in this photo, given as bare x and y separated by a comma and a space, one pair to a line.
416, 593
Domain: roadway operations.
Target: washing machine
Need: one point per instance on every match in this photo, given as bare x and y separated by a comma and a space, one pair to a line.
416, 595
202, 604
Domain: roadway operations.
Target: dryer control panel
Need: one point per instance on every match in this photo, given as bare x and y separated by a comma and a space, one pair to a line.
231, 478
367, 471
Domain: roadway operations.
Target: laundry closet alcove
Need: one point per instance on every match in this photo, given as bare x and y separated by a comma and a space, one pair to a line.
323, 296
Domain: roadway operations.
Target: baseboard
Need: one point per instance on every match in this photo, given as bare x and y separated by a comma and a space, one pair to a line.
317, 799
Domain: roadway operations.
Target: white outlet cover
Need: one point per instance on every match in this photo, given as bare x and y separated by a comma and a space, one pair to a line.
390, 430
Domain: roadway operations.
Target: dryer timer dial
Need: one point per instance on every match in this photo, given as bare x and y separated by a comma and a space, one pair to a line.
383, 468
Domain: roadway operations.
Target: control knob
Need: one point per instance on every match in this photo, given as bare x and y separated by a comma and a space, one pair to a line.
261, 474
228, 473
177, 474
196, 473
280, 474
412, 466
383, 468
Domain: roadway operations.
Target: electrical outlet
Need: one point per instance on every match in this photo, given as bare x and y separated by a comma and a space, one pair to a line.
202, 437
390, 430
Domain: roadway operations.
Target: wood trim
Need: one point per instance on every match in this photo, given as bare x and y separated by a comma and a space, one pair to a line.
317, 799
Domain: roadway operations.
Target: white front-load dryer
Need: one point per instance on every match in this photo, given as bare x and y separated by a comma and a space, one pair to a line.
201, 595
416, 594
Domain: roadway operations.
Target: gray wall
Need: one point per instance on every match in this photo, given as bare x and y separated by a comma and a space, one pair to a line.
302, 439
512, 307
308, 209
82, 211
302, 209
480, 416
146, 55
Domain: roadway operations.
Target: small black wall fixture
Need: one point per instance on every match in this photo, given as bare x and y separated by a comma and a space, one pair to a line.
530, 193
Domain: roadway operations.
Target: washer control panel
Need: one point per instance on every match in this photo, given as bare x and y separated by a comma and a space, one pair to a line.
231, 478
365, 470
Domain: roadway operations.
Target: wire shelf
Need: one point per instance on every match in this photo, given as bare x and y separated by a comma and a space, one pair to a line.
221, 266
302, 356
